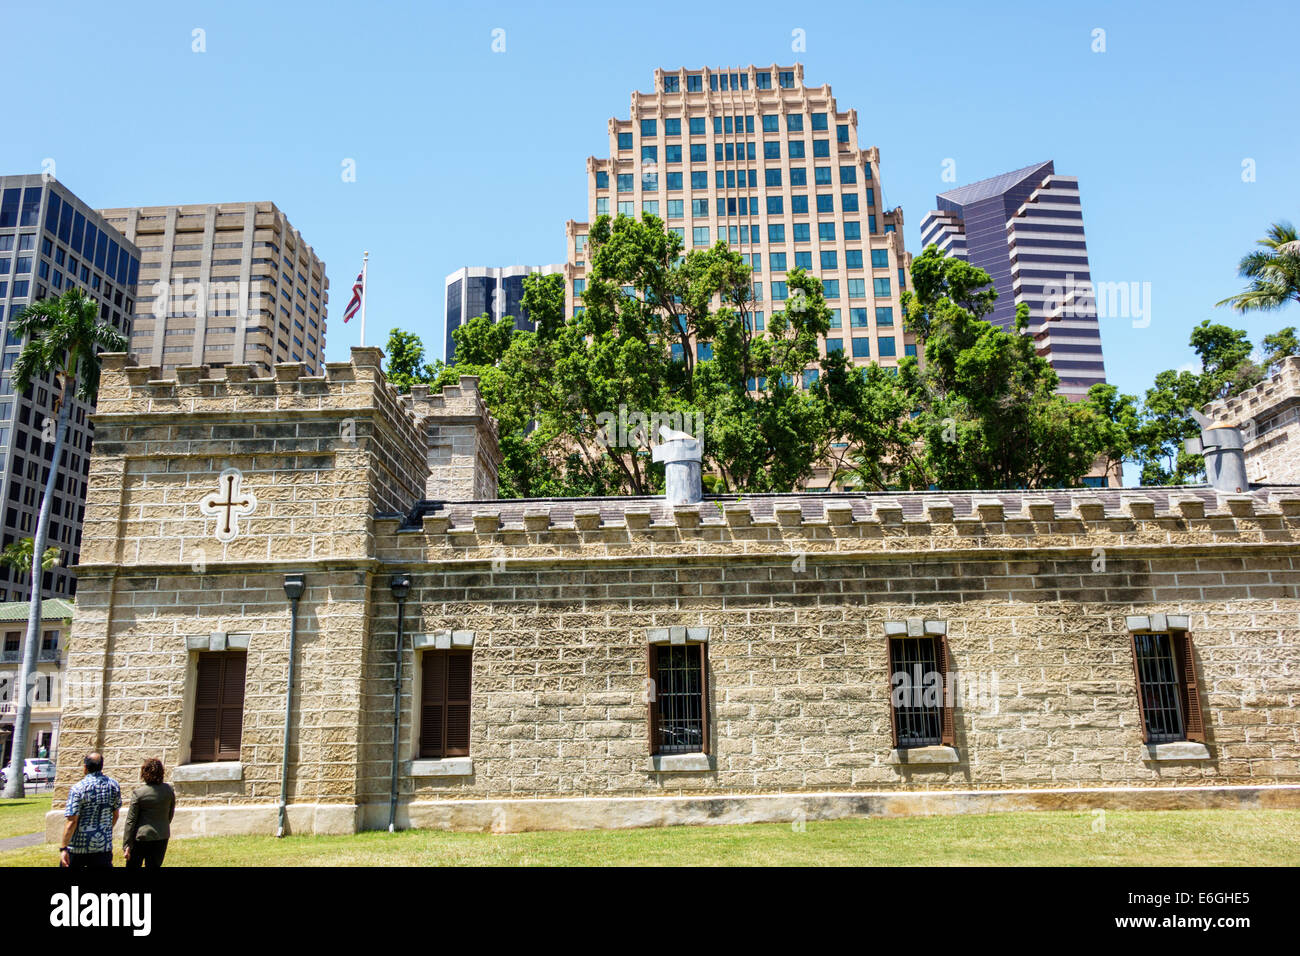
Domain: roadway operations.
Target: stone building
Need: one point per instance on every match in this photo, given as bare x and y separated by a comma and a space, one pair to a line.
260, 545
1269, 418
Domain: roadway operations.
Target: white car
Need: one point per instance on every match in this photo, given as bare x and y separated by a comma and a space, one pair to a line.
35, 770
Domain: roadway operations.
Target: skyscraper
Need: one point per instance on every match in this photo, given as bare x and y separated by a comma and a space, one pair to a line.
51, 241
1025, 229
775, 168
495, 291
225, 284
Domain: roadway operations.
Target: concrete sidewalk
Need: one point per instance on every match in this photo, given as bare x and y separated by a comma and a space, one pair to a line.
18, 842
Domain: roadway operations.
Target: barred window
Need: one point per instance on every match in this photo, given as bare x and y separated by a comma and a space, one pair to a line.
679, 698
1168, 697
921, 696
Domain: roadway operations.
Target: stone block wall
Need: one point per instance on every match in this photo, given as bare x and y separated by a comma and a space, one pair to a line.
795, 602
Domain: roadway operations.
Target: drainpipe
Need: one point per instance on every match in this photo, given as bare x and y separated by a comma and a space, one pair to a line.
293, 588
400, 584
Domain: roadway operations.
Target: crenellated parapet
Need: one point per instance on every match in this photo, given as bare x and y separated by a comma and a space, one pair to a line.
781, 524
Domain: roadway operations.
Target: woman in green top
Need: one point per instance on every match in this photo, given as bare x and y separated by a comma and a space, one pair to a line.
148, 822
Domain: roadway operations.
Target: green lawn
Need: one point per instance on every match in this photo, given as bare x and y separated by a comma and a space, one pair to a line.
23, 816
1129, 838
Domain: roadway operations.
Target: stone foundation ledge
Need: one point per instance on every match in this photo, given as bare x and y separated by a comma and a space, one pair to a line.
611, 813
237, 820
614, 813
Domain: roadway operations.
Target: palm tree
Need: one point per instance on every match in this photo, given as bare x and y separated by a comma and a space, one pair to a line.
18, 556
64, 338
1274, 272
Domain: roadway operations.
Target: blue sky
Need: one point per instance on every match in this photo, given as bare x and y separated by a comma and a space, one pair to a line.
469, 157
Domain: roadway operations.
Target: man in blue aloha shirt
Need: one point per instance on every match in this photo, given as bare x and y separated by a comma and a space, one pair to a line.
93, 805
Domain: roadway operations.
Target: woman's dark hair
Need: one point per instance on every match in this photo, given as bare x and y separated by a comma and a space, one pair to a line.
152, 771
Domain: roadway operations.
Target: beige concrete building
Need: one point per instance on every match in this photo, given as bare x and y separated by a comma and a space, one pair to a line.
224, 284
47, 689
756, 158
623, 661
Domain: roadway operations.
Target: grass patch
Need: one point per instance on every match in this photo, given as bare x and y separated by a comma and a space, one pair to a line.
1130, 838
26, 815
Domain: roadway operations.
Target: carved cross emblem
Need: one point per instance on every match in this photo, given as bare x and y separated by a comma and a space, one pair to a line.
229, 503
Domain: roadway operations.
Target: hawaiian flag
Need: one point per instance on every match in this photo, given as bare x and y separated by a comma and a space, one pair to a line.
358, 289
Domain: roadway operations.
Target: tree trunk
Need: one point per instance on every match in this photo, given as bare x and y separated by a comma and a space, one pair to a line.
23, 718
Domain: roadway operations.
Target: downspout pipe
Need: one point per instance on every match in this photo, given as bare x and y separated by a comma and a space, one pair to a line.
293, 588
400, 585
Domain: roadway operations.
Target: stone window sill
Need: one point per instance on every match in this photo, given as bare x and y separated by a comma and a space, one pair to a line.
446, 767
681, 763
923, 755
1179, 750
226, 770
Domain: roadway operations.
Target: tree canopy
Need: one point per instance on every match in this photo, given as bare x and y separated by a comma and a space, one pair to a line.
667, 337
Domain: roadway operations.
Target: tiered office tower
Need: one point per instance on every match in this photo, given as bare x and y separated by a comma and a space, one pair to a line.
487, 290
51, 241
1025, 229
225, 284
754, 157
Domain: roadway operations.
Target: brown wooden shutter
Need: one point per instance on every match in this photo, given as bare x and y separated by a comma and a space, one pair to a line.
704, 696
1137, 682
218, 707
458, 696
949, 702
232, 706
1195, 729
889, 690
207, 709
433, 698
652, 702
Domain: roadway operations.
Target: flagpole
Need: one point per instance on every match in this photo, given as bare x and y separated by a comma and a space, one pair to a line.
365, 262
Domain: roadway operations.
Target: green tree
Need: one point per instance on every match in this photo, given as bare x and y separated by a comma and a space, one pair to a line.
64, 339
661, 335
1119, 417
984, 408
18, 556
1226, 369
406, 365
1279, 345
1273, 271
1226, 364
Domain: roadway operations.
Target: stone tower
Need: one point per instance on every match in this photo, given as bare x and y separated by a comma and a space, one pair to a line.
1269, 418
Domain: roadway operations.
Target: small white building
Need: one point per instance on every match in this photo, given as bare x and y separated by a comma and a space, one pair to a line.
47, 706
